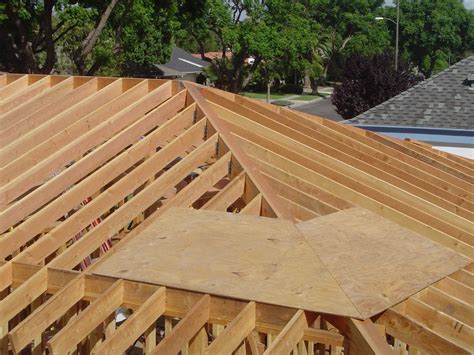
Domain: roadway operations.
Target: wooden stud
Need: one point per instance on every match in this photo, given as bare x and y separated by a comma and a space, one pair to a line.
186, 329
290, 336
92, 240
135, 325
88, 320
231, 192
46, 314
236, 332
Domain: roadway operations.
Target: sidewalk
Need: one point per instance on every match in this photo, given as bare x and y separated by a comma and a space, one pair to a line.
296, 103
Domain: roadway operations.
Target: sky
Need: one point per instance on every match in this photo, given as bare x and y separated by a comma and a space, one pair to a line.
468, 3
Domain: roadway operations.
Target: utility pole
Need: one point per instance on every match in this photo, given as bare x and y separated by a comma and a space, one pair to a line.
397, 26
396, 39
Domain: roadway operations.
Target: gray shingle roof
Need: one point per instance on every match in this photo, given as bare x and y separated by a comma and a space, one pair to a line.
446, 100
182, 62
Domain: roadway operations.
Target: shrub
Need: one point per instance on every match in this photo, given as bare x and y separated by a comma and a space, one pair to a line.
369, 81
282, 103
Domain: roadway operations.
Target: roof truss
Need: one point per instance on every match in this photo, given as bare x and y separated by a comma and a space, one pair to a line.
86, 163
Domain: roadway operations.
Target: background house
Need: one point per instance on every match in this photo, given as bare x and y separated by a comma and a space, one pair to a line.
439, 111
182, 65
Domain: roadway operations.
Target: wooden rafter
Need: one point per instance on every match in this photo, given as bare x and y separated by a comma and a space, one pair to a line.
87, 162
277, 206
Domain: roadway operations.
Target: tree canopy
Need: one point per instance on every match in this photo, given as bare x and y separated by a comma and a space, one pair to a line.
117, 36
431, 31
284, 39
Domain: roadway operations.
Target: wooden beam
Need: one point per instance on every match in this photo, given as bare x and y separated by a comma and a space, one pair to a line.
198, 344
458, 177
440, 300
224, 198
428, 151
416, 168
20, 298
256, 347
239, 154
96, 136
235, 332
135, 325
92, 240
455, 289
446, 326
335, 147
80, 327
365, 339
33, 326
254, 206
464, 276
270, 318
198, 186
357, 193
27, 108
186, 329
7, 78
6, 275
286, 176
290, 336
19, 85
332, 162
71, 198
300, 197
35, 132
96, 180
300, 212
27, 94
416, 334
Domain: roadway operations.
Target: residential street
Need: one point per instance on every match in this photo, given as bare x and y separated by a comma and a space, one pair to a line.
323, 108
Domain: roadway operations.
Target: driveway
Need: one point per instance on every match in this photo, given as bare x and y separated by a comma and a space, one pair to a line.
323, 108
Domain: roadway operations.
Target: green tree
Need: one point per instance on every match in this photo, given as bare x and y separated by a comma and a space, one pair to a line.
271, 32
26, 30
433, 30
86, 36
347, 27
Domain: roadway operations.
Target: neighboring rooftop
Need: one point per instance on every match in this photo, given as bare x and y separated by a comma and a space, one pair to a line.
444, 101
181, 63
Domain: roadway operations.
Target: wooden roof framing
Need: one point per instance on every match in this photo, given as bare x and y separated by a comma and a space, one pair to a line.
87, 163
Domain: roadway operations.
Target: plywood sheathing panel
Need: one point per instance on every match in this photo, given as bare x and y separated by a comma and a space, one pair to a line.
245, 257
375, 261
352, 262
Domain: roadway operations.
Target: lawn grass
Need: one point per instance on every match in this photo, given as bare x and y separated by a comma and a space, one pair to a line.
282, 103
263, 95
306, 97
309, 97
